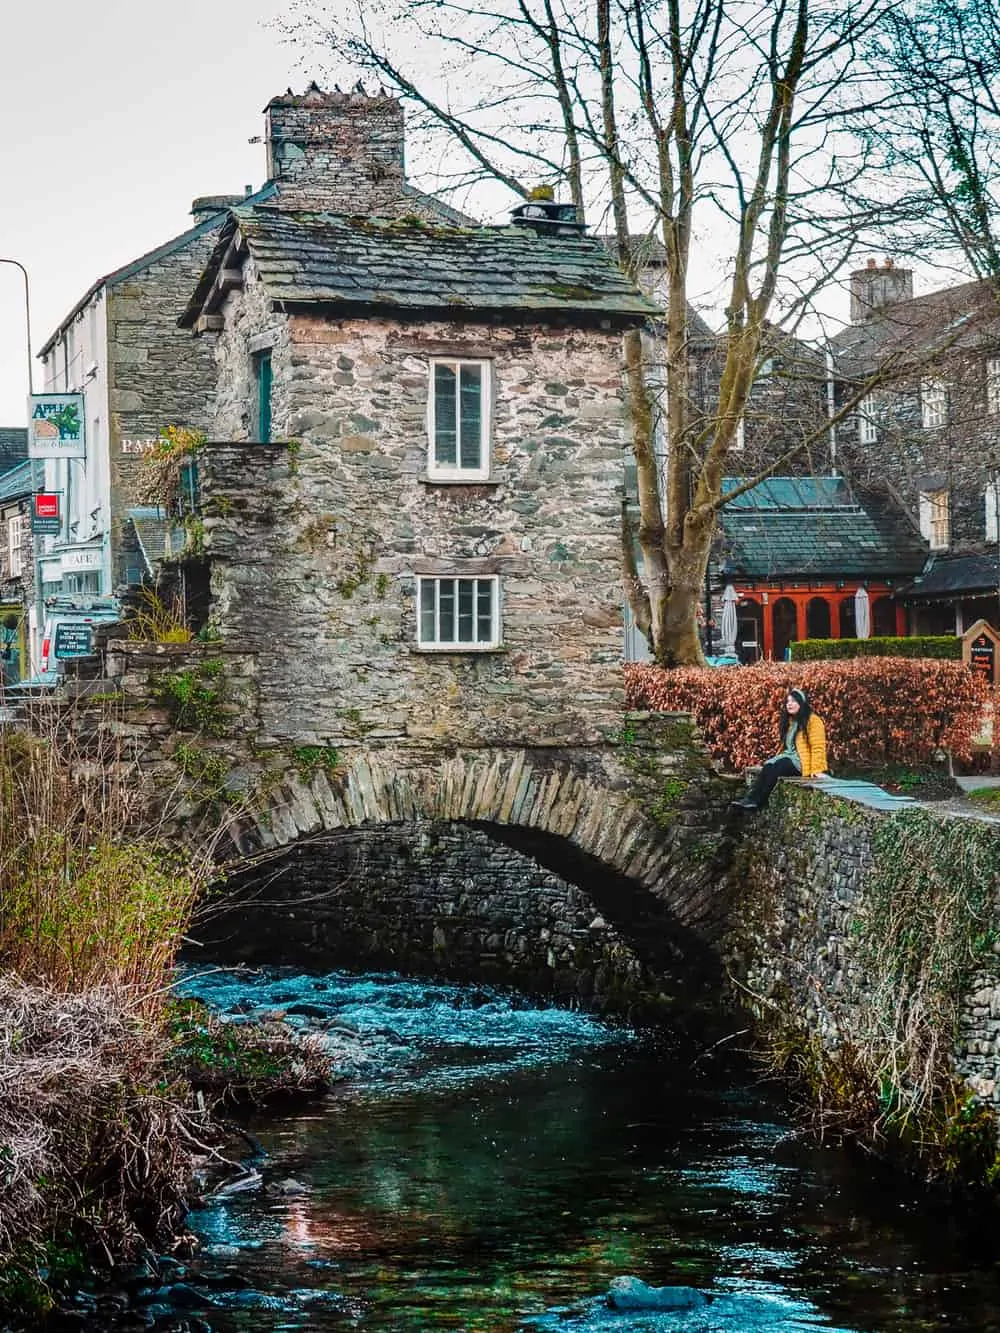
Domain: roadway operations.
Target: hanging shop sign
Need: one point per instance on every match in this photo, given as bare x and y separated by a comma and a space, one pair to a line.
46, 514
55, 426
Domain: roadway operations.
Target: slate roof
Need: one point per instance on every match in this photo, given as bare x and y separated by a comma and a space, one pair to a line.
814, 527
17, 481
953, 575
156, 535
961, 318
309, 260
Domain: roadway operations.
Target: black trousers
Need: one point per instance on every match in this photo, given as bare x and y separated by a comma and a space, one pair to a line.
766, 780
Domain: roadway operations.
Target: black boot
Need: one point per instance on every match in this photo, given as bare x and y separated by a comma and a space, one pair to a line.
744, 803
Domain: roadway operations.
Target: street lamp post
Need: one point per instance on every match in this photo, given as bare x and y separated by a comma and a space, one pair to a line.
35, 561
27, 316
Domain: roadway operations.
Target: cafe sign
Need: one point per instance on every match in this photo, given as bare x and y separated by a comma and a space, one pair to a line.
55, 426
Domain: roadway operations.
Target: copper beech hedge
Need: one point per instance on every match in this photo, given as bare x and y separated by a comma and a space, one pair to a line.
877, 710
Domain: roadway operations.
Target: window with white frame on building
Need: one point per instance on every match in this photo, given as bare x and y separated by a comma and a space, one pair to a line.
935, 518
993, 385
462, 613
15, 546
933, 403
867, 429
992, 506
458, 424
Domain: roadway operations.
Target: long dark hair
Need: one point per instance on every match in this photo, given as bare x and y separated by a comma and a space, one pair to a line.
801, 717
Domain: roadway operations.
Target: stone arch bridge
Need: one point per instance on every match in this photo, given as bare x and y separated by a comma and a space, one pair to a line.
594, 868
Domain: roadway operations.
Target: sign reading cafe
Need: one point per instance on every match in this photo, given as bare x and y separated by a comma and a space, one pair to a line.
55, 426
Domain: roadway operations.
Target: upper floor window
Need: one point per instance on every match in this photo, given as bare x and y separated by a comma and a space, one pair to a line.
15, 546
867, 428
458, 420
933, 403
935, 518
262, 401
992, 506
993, 385
739, 443
458, 613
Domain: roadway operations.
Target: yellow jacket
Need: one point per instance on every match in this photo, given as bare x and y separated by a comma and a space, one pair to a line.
810, 745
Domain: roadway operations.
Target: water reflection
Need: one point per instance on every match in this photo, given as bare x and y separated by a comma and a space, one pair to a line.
502, 1163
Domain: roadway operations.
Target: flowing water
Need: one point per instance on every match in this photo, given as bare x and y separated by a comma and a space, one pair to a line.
494, 1165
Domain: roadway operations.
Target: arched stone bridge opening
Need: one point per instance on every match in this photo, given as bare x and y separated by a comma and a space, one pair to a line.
589, 874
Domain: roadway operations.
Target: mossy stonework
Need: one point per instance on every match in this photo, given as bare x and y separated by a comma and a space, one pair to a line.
866, 944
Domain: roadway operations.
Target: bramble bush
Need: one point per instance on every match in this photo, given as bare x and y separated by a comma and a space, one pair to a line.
876, 710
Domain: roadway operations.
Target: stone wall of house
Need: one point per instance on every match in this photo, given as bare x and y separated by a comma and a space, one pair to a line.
316, 545
158, 374
802, 886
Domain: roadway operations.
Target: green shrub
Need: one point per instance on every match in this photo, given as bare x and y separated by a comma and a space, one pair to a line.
945, 646
877, 710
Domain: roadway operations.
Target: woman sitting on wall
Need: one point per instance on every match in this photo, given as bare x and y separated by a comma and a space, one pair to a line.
802, 753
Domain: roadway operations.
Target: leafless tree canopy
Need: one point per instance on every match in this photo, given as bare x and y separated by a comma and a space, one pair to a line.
738, 134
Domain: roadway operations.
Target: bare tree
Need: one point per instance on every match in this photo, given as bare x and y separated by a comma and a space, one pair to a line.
938, 127
724, 128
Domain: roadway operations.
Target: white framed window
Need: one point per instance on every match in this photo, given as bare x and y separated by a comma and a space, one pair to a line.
935, 518
933, 404
993, 385
15, 545
992, 506
458, 420
461, 613
867, 428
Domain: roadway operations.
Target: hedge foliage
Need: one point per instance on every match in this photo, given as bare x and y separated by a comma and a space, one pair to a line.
876, 710
927, 645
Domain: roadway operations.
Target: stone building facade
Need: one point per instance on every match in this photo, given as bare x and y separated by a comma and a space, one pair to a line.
436, 551
926, 433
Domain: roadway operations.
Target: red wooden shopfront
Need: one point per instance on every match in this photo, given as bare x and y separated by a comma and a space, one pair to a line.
770, 616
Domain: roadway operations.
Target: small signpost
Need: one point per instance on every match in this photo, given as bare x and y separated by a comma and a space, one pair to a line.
981, 651
46, 515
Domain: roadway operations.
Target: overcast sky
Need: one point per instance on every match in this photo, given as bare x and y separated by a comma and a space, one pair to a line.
116, 115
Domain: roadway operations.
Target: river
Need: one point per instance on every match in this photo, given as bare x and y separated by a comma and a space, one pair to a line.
494, 1164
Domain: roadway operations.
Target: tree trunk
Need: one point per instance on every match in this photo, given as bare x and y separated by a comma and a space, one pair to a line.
681, 645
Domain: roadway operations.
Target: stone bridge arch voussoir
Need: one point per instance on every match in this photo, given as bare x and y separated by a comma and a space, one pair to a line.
584, 800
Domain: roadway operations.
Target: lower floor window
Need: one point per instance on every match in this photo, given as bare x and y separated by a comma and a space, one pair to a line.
459, 613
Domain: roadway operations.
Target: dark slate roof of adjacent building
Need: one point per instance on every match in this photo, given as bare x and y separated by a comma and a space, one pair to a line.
953, 575
150, 257
814, 527
310, 260
17, 481
13, 446
157, 535
961, 318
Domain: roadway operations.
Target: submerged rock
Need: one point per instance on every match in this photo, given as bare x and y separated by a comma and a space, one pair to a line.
631, 1293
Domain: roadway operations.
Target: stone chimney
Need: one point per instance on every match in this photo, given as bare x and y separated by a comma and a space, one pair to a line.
874, 287
336, 152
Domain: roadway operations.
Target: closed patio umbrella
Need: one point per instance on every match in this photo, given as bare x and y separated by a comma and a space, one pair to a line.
727, 625
862, 614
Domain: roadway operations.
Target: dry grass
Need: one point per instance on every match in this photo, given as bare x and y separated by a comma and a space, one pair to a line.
92, 1145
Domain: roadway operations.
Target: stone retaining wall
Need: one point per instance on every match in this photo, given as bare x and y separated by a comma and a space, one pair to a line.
801, 894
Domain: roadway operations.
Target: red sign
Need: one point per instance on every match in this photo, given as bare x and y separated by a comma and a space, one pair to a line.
46, 505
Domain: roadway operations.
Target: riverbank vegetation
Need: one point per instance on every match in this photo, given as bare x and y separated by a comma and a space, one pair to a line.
100, 1129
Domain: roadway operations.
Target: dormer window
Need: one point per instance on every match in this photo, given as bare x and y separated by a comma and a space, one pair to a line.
458, 424
933, 403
